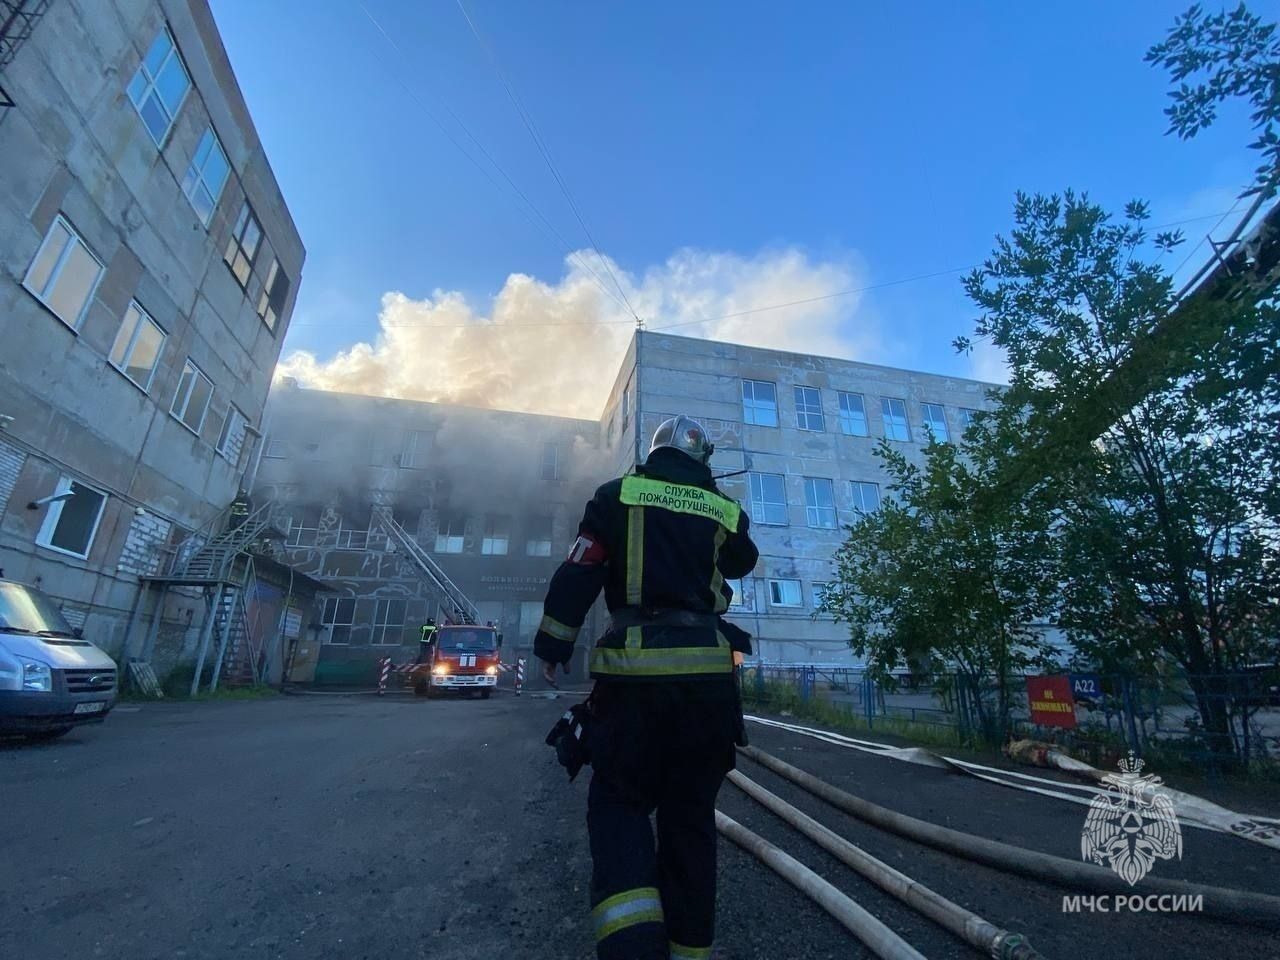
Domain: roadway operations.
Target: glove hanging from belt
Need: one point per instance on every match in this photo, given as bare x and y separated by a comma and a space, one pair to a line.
568, 738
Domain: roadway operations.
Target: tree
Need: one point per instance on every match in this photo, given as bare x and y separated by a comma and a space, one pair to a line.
1237, 56
926, 580
1166, 526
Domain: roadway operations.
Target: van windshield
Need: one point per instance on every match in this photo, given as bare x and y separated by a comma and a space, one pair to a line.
470, 640
23, 610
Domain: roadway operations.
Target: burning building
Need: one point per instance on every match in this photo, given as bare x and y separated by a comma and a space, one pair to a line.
383, 498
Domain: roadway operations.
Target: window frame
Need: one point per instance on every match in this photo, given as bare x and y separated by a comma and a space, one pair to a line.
967, 416
777, 581
265, 305
123, 366
856, 489
812, 509
492, 528
181, 417
530, 540
412, 444
382, 621
53, 516
444, 534
272, 445
929, 426
224, 435
333, 623
756, 518
235, 245
804, 408
554, 449
891, 418
847, 415
150, 86
198, 166
738, 601
55, 271
751, 407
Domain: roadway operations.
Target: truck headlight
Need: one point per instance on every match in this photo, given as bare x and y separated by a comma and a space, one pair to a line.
36, 676
440, 670
491, 671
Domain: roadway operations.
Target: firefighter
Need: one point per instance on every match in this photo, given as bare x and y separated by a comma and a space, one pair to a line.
665, 711
426, 638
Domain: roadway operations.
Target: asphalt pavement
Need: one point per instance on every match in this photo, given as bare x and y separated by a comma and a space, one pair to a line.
360, 827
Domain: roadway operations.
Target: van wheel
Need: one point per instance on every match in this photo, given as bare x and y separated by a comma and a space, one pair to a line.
53, 733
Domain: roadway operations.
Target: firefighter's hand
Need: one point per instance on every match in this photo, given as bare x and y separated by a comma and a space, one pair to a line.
549, 673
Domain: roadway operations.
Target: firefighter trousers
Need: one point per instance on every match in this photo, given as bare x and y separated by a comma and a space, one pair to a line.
663, 746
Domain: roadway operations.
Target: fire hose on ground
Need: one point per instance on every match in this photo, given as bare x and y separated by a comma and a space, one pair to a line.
1240, 906
968, 926
879, 939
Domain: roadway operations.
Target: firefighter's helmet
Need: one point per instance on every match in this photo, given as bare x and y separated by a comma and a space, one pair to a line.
684, 434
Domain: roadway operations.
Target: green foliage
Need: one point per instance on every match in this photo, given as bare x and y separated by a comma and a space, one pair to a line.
1234, 55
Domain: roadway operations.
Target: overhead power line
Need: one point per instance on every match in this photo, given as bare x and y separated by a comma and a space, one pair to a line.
545, 152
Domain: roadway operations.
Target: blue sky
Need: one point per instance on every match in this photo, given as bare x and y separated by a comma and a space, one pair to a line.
882, 141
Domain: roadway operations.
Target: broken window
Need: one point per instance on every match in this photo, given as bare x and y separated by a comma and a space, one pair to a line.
242, 248
538, 543
275, 293
71, 521
497, 536
450, 534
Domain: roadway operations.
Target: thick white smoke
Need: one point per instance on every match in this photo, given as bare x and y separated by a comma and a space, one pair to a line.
555, 348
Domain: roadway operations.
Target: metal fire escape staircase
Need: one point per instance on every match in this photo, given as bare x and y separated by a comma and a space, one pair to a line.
450, 595
18, 18
217, 559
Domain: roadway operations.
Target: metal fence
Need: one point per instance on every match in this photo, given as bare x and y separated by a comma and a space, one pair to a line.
1116, 714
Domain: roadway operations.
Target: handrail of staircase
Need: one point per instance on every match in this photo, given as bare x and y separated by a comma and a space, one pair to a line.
446, 586
182, 552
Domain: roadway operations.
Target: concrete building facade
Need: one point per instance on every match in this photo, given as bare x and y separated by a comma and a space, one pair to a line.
148, 269
804, 427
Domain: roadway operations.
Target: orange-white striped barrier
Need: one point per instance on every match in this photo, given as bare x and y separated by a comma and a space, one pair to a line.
383, 674
519, 675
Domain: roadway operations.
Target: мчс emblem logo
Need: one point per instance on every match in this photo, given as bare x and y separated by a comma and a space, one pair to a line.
1132, 825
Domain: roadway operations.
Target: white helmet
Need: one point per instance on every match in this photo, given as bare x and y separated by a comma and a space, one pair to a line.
684, 434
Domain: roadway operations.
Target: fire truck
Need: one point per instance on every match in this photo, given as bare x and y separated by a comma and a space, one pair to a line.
464, 656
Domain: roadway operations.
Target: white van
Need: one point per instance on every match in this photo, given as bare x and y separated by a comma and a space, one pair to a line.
51, 679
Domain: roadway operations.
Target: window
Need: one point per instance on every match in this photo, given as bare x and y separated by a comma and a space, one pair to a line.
231, 438
759, 403
809, 409
497, 537
740, 600
276, 450
191, 402
853, 415
538, 543
785, 593
450, 533
64, 273
935, 421
388, 621
338, 616
71, 518
895, 419
967, 417
243, 246
417, 449
768, 498
275, 293
866, 496
159, 87
550, 462
206, 176
136, 352
820, 502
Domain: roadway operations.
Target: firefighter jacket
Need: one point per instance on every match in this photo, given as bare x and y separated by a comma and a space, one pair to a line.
661, 543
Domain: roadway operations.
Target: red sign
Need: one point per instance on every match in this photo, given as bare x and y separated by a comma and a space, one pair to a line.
1051, 702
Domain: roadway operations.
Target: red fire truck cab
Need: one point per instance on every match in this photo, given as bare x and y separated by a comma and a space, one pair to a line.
463, 657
